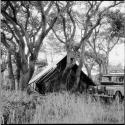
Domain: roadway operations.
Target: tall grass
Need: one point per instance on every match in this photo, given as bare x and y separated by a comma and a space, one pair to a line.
64, 107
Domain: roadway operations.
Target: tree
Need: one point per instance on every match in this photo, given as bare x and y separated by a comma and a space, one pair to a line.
100, 44
27, 31
3, 58
67, 25
116, 68
113, 35
91, 19
116, 19
89, 63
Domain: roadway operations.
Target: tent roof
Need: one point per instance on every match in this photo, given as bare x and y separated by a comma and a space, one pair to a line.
48, 69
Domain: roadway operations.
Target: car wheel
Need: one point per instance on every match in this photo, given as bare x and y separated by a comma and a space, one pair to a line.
118, 97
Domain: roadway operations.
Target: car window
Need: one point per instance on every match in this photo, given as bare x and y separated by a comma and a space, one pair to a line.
121, 79
116, 79
106, 79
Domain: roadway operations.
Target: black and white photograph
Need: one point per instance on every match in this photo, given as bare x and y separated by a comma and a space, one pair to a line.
62, 62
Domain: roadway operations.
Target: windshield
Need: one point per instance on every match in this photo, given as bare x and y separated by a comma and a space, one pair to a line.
106, 79
118, 79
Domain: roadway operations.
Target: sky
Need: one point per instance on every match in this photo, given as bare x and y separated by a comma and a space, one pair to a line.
117, 55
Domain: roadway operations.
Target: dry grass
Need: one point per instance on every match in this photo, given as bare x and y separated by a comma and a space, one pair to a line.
19, 107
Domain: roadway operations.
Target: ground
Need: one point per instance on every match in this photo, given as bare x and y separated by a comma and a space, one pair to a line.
62, 107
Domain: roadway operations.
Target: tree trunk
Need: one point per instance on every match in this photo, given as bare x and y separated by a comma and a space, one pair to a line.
25, 77
0, 88
107, 64
17, 78
100, 71
104, 69
89, 72
24, 80
69, 65
78, 72
10, 72
17, 73
88, 69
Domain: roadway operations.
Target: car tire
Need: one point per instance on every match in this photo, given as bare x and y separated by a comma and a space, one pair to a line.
118, 97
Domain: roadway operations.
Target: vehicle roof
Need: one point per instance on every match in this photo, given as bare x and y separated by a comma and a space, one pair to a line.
115, 74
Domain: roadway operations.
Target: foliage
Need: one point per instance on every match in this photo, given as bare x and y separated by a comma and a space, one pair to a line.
116, 19
56, 46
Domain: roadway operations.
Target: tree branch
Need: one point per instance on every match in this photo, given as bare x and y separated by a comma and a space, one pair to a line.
57, 36
74, 26
49, 7
113, 5
114, 44
51, 25
13, 33
64, 27
28, 15
10, 19
3, 40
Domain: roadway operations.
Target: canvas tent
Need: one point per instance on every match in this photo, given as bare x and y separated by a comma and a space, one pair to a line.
48, 80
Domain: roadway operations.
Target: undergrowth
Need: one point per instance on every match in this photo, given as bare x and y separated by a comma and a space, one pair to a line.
18, 107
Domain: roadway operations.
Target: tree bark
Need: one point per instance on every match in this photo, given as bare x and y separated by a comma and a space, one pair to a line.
0, 87
78, 71
18, 69
10, 72
104, 69
89, 69
89, 72
107, 63
25, 77
101, 71
69, 65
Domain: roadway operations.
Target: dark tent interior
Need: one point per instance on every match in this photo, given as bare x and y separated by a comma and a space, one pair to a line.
50, 81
